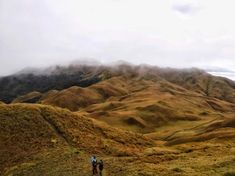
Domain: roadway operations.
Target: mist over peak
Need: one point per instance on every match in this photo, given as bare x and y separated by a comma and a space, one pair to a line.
85, 62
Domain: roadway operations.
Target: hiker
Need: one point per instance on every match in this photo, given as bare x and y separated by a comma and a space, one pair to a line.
101, 167
94, 165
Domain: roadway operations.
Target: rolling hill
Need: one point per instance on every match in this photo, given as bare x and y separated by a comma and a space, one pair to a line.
27, 130
142, 120
143, 98
60, 78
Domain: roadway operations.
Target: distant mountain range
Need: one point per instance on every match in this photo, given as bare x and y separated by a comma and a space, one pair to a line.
59, 78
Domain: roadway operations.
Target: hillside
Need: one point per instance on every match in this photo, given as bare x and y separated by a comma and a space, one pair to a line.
143, 98
27, 130
60, 78
44, 140
140, 120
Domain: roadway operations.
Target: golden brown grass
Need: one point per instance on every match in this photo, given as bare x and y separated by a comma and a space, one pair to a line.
31, 97
179, 125
138, 104
26, 130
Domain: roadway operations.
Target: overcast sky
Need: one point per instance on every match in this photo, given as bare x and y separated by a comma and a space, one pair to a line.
174, 33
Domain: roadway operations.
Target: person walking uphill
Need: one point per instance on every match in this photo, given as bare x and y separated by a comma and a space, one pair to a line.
94, 165
101, 167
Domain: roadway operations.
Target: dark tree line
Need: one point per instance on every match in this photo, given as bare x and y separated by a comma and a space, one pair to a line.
13, 86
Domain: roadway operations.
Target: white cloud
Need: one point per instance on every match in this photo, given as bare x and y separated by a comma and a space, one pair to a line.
40, 33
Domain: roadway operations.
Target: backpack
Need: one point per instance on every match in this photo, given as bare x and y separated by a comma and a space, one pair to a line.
94, 162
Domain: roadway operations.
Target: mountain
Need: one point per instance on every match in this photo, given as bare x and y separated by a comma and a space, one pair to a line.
141, 98
60, 78
141, 120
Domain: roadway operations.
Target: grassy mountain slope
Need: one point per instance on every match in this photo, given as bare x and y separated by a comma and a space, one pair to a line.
141, 120
60, 78
202, 82
43, 140
137, 103
26, 130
